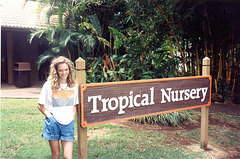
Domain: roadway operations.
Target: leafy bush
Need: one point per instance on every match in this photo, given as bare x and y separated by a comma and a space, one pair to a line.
169, 119
136, 67
129, 67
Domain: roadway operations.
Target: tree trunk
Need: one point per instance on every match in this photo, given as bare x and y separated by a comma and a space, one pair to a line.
237, 86
227, 65
175, 37
206, 28
171, 51
219, 74
213, 58
232, 48
198, 62
192, 63
230, 65
170, 45
220, 68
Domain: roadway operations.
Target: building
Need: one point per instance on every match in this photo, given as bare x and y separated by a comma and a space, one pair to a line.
18, 19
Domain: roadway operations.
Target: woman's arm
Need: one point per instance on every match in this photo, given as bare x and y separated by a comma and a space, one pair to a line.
74, 111
44, 110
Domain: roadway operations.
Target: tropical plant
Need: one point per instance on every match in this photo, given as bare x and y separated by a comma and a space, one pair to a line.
126, 40
169, 119
194, 29
74, 35
131, 66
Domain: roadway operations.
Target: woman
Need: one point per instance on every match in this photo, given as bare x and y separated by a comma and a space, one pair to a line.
57, 101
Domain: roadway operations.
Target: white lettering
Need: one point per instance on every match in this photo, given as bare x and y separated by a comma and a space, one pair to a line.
152, 96
192, 92
204, 92
187, 96
95, 110
164, 94
198, 90
176, 96
114, 100
104, 101
145, 100
181, 95
131, 99
122, 102
135, 100
121, 106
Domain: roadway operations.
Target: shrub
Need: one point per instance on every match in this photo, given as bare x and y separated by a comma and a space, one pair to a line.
169, 119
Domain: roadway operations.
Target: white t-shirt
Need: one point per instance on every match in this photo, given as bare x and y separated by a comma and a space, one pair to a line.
59, 102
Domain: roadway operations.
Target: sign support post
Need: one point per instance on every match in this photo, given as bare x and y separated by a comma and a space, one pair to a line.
205, 110
100, 103
81, 132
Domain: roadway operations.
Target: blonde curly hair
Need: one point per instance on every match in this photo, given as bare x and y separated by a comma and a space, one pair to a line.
53, 74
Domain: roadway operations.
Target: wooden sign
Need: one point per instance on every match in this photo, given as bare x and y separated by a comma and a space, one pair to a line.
110, 102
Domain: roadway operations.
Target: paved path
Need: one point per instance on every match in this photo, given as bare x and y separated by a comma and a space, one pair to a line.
10, 91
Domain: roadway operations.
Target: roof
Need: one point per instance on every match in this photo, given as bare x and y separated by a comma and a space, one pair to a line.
22, 14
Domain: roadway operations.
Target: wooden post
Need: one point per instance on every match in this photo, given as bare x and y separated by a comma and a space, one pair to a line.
81, 132
205, 110
10, 58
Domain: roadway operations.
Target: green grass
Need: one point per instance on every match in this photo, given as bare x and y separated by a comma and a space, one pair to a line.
126, 143
220, 134
21, 128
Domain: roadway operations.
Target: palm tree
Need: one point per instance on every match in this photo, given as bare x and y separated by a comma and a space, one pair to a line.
73, 35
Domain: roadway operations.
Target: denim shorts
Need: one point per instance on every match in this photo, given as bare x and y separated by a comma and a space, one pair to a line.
53, 130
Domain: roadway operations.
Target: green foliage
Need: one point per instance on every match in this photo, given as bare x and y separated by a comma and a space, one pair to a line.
169, 119
75, 35
97, 28
96, 23
136, 67
132, 66
129, 67
67, 42
137, 50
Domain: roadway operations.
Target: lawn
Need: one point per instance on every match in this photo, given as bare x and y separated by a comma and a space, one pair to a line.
21, 128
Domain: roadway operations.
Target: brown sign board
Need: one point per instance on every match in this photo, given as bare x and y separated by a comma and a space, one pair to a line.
115, 101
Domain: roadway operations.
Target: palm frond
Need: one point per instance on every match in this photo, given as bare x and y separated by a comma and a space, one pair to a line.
44, 57
36, 33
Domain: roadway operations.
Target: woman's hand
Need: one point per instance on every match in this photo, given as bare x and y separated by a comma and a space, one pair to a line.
44, 110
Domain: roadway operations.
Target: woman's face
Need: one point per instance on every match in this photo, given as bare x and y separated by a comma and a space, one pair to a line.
63, 71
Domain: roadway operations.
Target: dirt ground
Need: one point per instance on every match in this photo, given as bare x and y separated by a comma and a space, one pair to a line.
230, 152
228, 107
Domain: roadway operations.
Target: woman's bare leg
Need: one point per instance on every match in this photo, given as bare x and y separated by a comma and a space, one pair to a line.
55, 148
67, 147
